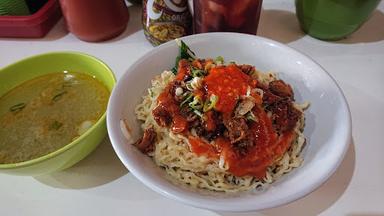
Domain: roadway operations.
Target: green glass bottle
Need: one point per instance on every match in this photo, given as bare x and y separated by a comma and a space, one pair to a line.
333, 19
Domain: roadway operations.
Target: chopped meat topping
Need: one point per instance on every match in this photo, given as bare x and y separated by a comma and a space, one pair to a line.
243, 145
237, 128
284, 115
188, 114
184, 70
146, 143
278, 99
162, 116
247, 69
270, 98
239, 134
199, 64
209, 135
211, 120
280, 88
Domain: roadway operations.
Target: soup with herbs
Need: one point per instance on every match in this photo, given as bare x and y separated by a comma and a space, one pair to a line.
48, 112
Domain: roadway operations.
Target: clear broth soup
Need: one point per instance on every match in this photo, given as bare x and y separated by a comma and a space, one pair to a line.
46, 113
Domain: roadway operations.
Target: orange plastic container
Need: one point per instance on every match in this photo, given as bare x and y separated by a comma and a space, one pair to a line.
95, 20
33, 26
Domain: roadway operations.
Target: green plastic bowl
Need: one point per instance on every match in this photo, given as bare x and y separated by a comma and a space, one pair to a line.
24, 70
14, 8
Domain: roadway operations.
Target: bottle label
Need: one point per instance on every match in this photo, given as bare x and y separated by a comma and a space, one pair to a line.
165, 20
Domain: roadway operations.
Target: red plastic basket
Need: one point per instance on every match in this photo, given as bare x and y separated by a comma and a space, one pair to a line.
32, 26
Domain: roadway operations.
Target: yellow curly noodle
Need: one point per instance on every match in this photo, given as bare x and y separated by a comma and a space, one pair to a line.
172, 151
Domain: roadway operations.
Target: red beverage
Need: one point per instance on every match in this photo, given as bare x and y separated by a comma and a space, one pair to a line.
226, 15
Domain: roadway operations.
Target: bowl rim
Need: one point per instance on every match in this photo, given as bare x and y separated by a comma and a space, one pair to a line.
186, 199
82, 136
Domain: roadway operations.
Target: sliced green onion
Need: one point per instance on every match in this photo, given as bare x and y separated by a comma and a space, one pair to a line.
197, 112
211, 103
189, 86
198, 73
187, 99
251, 116
17, 107
58, 96
219, 60
196, 104
150, 92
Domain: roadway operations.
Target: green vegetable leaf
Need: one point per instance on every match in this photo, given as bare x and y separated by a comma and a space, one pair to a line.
184, 53
174, 70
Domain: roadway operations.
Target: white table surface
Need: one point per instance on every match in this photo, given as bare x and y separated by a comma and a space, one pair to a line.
100, 184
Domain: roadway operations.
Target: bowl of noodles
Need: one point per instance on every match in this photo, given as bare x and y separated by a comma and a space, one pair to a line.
229, 122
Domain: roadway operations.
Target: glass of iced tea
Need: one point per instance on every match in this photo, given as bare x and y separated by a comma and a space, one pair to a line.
226, 16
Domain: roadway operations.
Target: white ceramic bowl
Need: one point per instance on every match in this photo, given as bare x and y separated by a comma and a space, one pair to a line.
328, 122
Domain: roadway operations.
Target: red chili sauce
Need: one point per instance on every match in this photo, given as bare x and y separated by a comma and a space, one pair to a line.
268, 148
229, 83
165, 99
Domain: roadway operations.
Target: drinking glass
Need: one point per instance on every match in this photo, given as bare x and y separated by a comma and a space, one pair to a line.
226, 15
